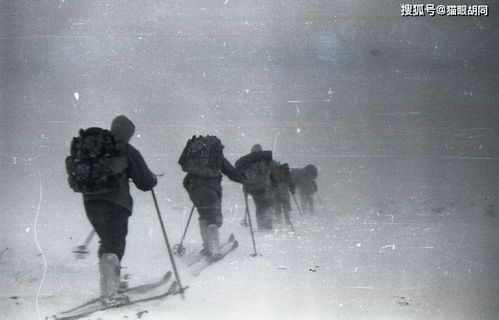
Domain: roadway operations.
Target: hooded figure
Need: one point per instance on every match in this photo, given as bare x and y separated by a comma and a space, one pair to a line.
122, 128
304, 180
109, 212
285, 186
205, 192
256, 148
259, 182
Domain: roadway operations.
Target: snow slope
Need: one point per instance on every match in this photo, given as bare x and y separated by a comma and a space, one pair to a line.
399, 115
416, 257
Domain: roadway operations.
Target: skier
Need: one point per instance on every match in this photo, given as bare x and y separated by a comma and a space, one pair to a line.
285, 186
204, 162
260, 181
109, 212
304, 180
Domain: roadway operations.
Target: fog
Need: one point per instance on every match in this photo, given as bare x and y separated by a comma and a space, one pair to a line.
398, 113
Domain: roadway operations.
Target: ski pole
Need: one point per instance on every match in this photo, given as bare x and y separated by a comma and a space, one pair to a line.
179, 247
82, 250
89, 238
181, 289
250, 225
297, 205
244, 222
290, 224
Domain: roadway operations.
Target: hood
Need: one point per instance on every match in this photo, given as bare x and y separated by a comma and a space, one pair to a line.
256, 148
311, 171
122, 128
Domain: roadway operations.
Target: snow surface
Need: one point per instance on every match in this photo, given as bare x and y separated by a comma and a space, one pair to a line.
416, 257
399, 115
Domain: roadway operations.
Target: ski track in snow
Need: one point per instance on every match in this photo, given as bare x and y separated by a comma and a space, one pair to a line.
341, 260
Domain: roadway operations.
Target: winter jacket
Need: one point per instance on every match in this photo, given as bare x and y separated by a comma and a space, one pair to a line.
285, 183
192, 181
137, 170
304, 181
260, 175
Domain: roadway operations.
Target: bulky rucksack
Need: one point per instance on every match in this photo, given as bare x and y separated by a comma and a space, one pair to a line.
256, 168
257, 173
202, 156
95, 165
310, 172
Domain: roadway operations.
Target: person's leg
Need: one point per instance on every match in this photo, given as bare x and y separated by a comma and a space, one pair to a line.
304, 202
278, 211
286, 204
311, 204
271, 207
307, 203
208, 204
262, 208
203, 227
110, 222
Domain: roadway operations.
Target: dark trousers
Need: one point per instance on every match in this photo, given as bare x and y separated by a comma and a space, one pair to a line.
208, 203
307, 202
110, 222
263, 204
283, 206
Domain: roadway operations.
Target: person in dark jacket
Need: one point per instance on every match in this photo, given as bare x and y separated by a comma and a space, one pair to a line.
206, 195
285, 186
260, 181
109, 212
304, 179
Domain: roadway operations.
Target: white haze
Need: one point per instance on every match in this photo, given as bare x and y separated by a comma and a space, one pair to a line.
399, 115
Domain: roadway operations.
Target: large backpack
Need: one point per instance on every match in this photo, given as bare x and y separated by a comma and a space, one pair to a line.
256, 168
310, 172
95, 165
202, 156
